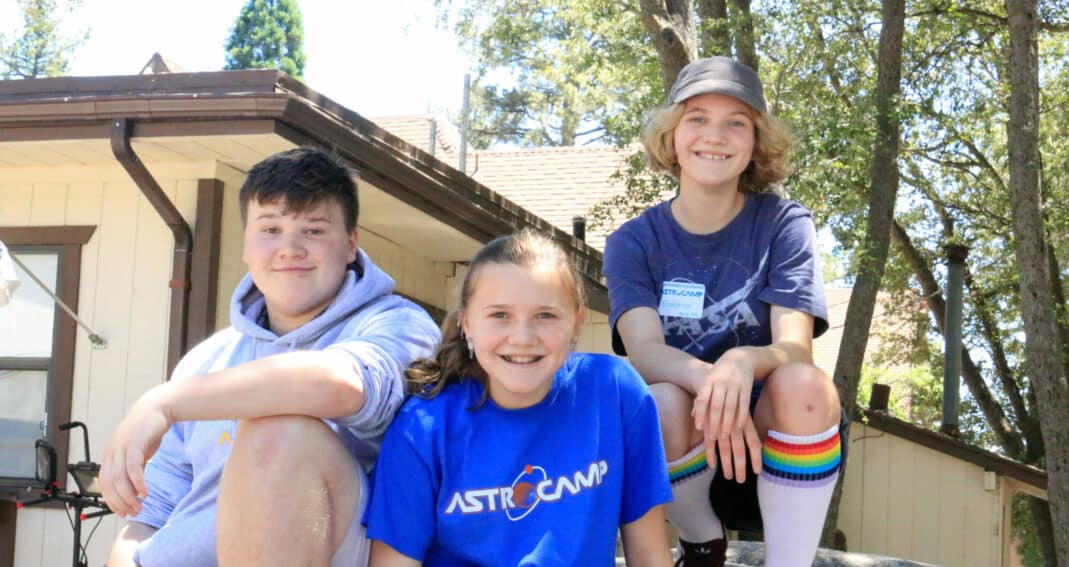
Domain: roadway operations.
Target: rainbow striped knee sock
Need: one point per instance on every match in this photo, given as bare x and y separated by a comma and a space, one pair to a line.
798, 474
690, 511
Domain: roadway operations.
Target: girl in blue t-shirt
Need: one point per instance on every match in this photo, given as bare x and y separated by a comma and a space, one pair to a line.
514, 450
717, 295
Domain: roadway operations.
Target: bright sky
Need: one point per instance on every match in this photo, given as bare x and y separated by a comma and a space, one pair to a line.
376, 57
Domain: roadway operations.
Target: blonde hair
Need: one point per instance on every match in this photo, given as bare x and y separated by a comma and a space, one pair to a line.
772, 143
453, 361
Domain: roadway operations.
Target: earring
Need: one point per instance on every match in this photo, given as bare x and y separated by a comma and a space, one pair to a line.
575, 340
471, 349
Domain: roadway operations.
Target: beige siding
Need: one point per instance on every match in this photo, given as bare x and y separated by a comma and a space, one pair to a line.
124, 296
904, 500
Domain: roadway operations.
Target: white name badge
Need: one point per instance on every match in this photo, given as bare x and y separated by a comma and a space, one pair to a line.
682, 299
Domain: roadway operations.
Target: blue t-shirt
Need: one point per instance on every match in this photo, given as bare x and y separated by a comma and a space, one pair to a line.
463, 484
715, 291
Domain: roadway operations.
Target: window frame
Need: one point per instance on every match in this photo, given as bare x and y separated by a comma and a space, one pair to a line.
67, 243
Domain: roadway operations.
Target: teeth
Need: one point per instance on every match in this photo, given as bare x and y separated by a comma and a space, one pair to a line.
521, 359
718, 157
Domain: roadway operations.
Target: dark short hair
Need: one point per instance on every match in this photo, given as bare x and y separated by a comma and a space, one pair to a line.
301, 178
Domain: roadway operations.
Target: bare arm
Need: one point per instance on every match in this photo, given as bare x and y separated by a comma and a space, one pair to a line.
382, 555
312, 383
126, 541
645, 541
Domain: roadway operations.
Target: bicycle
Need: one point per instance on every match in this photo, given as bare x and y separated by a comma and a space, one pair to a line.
86, 497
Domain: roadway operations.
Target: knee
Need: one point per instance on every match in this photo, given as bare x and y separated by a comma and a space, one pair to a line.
802, 396
673, 409
279, 439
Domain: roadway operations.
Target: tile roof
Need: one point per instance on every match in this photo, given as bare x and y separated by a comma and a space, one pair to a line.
555, 183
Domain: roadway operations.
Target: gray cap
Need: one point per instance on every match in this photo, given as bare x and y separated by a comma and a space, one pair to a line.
721, 75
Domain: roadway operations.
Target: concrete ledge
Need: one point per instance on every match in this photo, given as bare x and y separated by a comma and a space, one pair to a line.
752, 554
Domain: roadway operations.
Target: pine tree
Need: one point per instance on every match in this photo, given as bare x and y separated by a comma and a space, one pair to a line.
38, 50
268, 34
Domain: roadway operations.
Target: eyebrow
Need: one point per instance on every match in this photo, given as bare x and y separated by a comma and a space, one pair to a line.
509, 306
271, 216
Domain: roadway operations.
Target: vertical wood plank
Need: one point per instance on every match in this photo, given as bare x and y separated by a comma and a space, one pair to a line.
49, 204
852, 504
900, 505
952, 533
15, 203
877, 484
926, 506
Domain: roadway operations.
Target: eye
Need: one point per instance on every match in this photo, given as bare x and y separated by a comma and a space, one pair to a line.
696, 120
270, 229
738, 124
499, 315
314, 231
547, 315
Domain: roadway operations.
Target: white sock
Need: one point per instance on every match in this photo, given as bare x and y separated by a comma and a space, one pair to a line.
690, 511
798, 475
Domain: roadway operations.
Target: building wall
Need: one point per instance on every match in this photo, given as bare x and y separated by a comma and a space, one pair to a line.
904, 500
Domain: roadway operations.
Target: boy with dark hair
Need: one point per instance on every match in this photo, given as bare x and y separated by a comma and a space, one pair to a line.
257, 450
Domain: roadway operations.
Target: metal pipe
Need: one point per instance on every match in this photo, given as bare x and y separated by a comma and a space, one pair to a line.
433, 142
183, 237
464, 124
93, 336
579, 227
956, 254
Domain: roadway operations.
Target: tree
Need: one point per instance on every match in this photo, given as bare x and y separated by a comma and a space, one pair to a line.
820, 65
267, 34
39, 50
1042, 351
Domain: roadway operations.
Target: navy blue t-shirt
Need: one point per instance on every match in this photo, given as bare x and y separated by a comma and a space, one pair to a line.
715, 291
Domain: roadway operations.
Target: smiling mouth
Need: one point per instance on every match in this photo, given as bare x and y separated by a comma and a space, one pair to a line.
517, 359
713, 157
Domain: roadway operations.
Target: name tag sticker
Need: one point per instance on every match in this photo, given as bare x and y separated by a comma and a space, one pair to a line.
682, 299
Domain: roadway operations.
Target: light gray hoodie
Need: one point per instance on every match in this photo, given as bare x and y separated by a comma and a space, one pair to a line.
382, 333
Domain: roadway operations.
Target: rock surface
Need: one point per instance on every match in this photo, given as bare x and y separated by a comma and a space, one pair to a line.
752, 554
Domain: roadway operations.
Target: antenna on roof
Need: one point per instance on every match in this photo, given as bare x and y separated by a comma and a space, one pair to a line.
464, 124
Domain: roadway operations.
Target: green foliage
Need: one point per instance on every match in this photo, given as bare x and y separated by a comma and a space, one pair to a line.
1024, 533
267, 34
38, 49
554, 72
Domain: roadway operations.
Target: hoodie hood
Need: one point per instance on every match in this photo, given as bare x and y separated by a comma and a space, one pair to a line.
364, 283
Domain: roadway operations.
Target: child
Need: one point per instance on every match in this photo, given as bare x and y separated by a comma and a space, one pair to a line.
515, 451
267, 427
717, 295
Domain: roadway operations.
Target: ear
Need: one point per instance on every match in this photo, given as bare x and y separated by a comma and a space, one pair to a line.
354, 238
579, 316
462, 323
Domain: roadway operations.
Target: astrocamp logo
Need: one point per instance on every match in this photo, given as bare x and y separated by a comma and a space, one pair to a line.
531, 487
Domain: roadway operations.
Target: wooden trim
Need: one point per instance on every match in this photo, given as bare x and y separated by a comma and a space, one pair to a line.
947, 445
24, 363
45, 235
8, 516
204, 273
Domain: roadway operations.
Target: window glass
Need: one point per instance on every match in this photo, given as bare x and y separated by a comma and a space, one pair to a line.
22, 419
26, 322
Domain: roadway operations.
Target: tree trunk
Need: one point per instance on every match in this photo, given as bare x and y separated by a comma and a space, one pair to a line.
670, 24
745, 50
1037, 307
715, 29
883, 187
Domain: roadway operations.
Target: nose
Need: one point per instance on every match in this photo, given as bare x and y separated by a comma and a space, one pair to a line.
292, 245
523, 333
713, 132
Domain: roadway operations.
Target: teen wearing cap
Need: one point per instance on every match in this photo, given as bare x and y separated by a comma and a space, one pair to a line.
716, 296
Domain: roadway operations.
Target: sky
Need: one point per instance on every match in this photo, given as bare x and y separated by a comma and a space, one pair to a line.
375, 57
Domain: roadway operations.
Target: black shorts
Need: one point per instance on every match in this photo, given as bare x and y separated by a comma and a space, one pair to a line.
736, 504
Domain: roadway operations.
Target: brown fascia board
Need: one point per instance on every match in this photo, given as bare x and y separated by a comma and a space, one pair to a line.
269, 101
956, 448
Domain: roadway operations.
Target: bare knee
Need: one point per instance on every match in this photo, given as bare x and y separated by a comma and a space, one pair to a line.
677, 427
799, 399
281, 438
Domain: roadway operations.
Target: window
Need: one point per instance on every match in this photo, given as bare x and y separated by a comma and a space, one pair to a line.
37, 340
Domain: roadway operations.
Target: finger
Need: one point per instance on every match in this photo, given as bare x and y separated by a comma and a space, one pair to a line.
724, 443
701, 406
731, 411
716, 410
753, 443
738, 452
121, 492
135, 471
